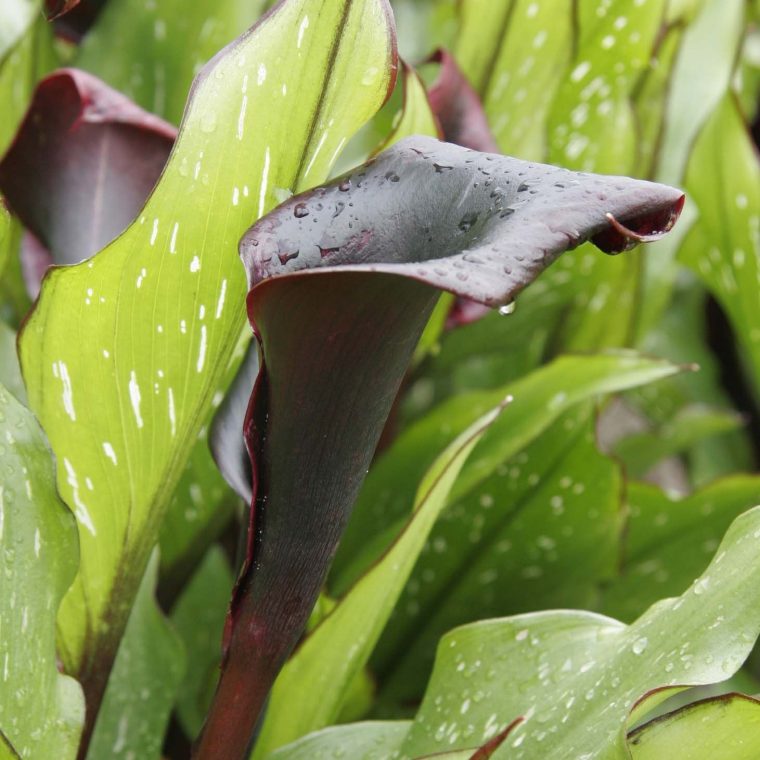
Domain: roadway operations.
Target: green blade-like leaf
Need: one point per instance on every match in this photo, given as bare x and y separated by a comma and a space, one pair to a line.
708, 56
416, 116
540, 399
26, 54
729, 224
575, 676
14, 299
669, 541
143, 685
540, 531
198, 618
720, 728
591, 125
41, 711
136, 340
513, 53
151, 51
332, 655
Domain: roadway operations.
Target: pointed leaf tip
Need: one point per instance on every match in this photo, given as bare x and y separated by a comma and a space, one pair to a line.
56, 8
644, 228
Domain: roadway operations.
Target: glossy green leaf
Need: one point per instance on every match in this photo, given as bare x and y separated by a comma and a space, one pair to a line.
198, 618
706, 61
153, 319
592, 125
720, 728
375, 740
669, 541
700, 78
332, 655
540, 531
415, 117
575, 677
540, 399
14, 299
12, 292
512, 53
725, 252
26, 54
152, 51
143, 685
201, 507
10, 372
41, 711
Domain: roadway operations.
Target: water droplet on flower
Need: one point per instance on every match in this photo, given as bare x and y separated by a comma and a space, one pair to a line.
300, 211
507, 308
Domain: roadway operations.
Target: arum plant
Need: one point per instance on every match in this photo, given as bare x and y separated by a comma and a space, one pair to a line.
342, 280
128, 349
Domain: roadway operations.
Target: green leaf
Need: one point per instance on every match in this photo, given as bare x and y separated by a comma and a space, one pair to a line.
26, 54
200, 509
641, 451
540, 399
720, 728
669, 541
41, 712
415, 117
198, 618
161, 46
143, 685
681, 335
135, 366
377, 739
708, 55
333, 654
513, 54
10, 372
424, 25
540, 531
725, 251
592, 125
14, 299
576, 676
